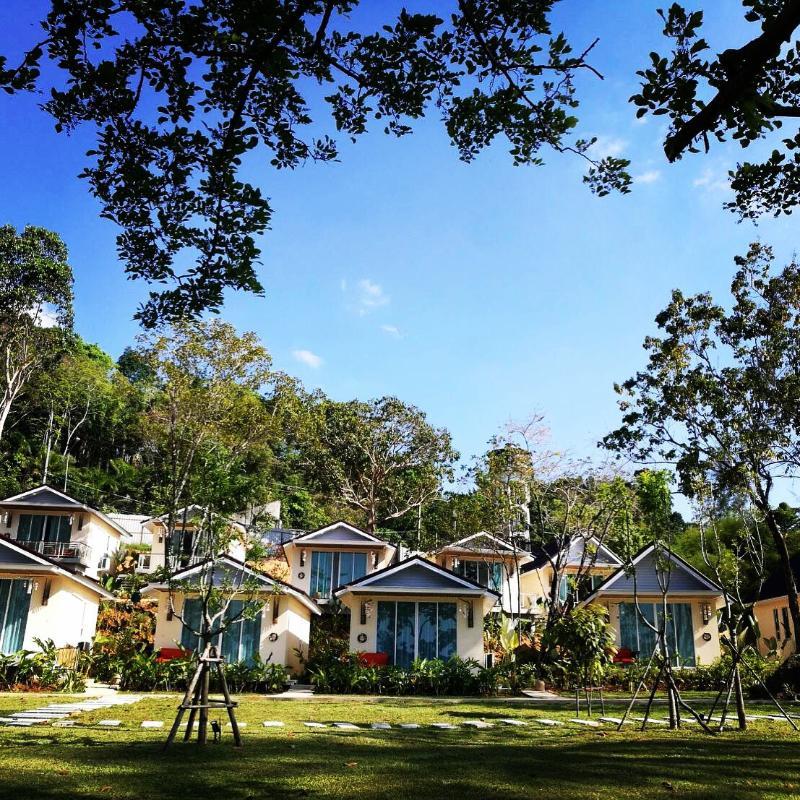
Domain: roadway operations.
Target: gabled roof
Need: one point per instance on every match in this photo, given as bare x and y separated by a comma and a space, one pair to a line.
15, 556
415, 575
690, 580
45, 497
604, 556
231, 564
471, 544
132, 523
338, 533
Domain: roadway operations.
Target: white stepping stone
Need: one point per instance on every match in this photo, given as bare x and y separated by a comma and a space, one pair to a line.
654, 720
66, 724
272, 723
152, 723
380, 726
315, 725
589, 723
22, 723
110, 723
409, 726
347, 726
767, 717
443, 726
37, 715
239, 724
516, 722
550, 722
478, 723
616, 720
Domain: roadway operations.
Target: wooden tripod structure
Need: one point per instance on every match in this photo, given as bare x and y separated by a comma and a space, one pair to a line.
196, 699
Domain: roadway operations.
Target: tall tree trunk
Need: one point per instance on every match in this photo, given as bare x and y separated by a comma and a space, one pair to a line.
786, 566
739, 694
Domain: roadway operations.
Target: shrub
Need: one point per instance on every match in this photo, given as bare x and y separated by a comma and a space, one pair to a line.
784, 680
453, 677
28, 670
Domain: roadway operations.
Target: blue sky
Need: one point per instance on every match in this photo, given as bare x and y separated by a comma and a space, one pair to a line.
481, 292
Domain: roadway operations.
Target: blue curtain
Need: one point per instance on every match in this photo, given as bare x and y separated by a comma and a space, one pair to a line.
405, 634
497, 576
57, 529
448, 624
428, 630
321, 569
359, 566
386, 628
192, 613
232, 634
647, 636
683, 638
15, 603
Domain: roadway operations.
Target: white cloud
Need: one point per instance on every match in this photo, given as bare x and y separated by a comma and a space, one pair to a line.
44, 316
392, 330
364, 296
308, 358
712, 180
651, 176
607, 147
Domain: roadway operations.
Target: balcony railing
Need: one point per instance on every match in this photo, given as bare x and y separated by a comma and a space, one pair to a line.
73, 551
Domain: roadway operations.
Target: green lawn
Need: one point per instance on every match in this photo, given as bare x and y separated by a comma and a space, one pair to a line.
294, 761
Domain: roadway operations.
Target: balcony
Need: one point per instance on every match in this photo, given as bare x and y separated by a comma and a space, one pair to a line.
76, 552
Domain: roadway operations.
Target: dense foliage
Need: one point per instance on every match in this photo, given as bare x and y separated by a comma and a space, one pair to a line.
41, 670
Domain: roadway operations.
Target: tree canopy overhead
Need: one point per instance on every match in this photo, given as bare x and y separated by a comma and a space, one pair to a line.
743, 93
180, 93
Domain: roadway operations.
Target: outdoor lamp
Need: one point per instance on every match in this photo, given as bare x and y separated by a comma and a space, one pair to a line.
706, 611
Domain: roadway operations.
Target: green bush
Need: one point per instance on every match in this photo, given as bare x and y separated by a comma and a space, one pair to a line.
783, 680
28, 670
437, 677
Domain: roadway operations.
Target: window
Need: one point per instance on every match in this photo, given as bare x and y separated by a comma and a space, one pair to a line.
489, 574
238, 642
407, 631
44, 528
777, 621
637, 636
331, 569
785, 617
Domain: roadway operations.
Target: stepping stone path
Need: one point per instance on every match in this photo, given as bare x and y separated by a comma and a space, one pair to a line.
380, 726
57, 713
347, 726
110, 723
152, 723
315, 725
478, 723
239, 724
654, 720
443, 726
409, 726
589, 723
550, 722
616, 720
516, 722
272, 723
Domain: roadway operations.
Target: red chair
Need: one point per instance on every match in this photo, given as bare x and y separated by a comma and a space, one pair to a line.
373, 659
170, 653
624, 656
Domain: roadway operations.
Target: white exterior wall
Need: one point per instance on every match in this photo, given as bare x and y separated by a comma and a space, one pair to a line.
469, 641
292, 627
70, 616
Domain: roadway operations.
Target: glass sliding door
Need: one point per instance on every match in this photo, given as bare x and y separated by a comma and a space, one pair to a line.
408, 631
636, 635
15, 602
321, 572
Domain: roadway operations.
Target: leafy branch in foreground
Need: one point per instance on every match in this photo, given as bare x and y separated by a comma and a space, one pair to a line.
181, 94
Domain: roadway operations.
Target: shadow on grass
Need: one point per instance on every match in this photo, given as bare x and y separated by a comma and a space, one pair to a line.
364, 766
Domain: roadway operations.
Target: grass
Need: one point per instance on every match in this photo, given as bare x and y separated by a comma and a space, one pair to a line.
296, 762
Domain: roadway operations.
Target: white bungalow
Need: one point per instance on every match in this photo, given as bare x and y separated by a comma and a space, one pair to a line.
417, 609
279, 633
492, 562
692, 604
324, 559
52, 549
